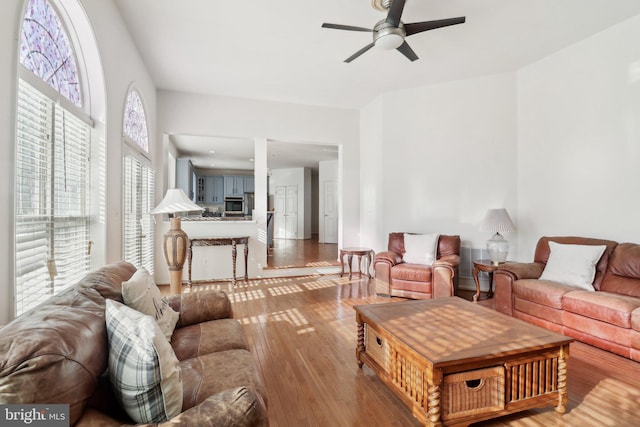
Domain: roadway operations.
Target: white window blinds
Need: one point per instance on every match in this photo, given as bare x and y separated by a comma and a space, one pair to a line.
52, 216
138, 224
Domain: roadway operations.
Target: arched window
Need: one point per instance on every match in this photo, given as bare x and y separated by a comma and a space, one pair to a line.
45, 50
53, 142
138, 180
135, 121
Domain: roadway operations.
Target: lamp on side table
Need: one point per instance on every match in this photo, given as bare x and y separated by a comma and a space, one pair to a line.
497, 221
176, 241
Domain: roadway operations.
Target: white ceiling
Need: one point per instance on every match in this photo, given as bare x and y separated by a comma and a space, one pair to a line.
277, 50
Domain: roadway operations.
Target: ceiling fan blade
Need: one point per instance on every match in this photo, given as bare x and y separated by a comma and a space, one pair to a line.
419, 27
360, 52
406, 50
395, 12
346, 27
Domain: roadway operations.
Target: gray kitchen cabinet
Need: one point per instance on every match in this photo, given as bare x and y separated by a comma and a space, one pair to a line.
233, 185
216, 185
186, 177
249, 184
201, 192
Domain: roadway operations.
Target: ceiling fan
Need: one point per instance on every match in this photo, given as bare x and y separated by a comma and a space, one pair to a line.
390, 33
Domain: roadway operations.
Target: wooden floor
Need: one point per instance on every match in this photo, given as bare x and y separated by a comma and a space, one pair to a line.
287, 253
302, 334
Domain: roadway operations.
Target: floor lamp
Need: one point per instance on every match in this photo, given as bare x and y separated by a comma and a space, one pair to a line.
176, 241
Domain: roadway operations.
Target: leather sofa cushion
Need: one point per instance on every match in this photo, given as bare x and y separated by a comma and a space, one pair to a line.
412, 272
540, 311
541, 292
604, 306
56, 352
213, 373
623, 274
588, 327
411, 287
208, 337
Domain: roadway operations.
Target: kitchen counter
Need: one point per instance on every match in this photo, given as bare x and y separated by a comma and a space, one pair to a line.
219, 218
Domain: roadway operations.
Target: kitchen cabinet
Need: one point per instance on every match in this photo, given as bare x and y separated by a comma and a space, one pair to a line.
210, 189
233, 185
215, 188
186, 177
249, 184
201, 193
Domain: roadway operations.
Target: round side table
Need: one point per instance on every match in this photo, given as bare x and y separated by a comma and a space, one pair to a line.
362, 254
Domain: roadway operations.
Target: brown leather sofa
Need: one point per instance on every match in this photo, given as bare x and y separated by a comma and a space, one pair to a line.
395, 277
57, 353
608, 318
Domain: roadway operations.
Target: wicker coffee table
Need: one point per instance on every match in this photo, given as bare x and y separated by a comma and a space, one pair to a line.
453, 362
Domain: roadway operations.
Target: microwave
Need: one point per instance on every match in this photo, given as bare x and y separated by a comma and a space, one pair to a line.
233, 205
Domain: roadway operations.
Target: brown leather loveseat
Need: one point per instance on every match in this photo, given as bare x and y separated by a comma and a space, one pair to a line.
607, 316
57, 353
395, 277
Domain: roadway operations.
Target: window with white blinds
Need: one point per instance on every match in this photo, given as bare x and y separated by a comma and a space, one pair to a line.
52, 212
138, 202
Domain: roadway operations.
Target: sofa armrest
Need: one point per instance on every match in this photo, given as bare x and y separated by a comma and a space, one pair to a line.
200, 306
504, 277
382, 264
234, 407
390, 257
444, 272
450, 260
522, 270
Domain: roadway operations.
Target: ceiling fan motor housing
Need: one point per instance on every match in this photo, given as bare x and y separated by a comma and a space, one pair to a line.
381, 5
386, 36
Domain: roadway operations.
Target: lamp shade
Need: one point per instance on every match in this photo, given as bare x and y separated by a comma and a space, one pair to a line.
175, 201
497, 221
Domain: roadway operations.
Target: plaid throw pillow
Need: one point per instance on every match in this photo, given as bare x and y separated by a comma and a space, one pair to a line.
143, 368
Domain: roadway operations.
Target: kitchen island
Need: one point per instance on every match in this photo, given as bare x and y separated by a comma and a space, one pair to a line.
214, 262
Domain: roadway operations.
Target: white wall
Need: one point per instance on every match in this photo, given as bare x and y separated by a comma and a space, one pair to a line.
579, 140
121, 66
446, 154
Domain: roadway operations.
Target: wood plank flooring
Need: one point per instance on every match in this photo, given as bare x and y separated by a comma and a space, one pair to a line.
302, 334
287, 253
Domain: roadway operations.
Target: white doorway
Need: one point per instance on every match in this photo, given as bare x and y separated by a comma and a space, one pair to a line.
286, 212
330, 214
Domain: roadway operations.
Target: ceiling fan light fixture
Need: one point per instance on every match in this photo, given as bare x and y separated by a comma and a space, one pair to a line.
389, 41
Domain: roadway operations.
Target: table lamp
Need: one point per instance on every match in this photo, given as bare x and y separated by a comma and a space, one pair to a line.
497, 221
176, 241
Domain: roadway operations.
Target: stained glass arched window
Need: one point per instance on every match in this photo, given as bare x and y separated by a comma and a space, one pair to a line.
135, 121
45, 50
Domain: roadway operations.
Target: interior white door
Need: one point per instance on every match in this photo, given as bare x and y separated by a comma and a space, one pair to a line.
292, 212
280, 212
286, 212
330, 212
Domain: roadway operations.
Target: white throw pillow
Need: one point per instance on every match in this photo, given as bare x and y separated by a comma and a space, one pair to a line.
420, 248
141, 293
143, 368
573, 264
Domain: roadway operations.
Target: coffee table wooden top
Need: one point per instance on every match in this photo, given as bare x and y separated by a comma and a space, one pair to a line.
451, 331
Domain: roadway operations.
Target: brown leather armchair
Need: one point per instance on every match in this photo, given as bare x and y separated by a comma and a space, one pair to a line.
395, 277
